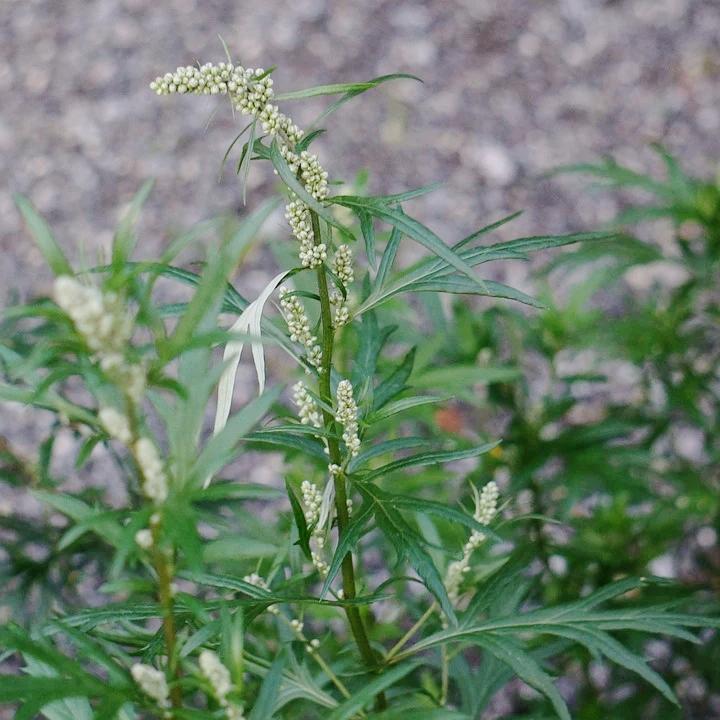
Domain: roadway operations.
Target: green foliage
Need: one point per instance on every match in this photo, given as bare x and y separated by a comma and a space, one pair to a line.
360, 581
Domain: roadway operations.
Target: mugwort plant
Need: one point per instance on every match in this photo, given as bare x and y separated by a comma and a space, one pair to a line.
358, 585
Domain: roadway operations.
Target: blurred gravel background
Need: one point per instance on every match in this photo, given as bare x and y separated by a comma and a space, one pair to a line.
511, 90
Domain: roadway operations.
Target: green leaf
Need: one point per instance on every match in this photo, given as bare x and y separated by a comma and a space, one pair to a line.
207, 299
284, 439
368, 232
408, 544
430, 507
383, 448
125, 238
243, 169
460, 285
265, 704
339, 88
429, 458
463, 376
399, 406
66, 709
395, 383
362, 697
413, 229
300, 522
237, 547
387, 199
40, 231
388, 258
526, 668
350, 538
354, 93
219, 449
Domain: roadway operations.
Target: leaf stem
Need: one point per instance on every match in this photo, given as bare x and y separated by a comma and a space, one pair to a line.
357, 626
409, 634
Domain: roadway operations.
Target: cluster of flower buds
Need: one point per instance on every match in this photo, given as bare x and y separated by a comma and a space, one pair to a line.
298, 216
299, 326
152, 682
105, 325
251, 92
316, 507
116, 424
217, 675
154, 480
346, 415
308, 409
485, 509
342, 264
342, 314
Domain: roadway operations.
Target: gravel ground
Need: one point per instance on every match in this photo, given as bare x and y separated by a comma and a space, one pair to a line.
511, 89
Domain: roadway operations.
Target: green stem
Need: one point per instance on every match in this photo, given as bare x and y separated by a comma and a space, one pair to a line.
165, 594
357, 626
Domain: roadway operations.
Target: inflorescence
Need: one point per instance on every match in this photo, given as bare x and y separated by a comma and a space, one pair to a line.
485, 509
346, 415
106, 326
251, 92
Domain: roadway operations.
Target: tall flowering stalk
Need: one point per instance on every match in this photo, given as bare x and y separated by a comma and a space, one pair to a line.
251, 92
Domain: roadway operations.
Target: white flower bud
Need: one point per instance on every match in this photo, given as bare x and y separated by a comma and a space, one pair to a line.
116, 424
152, 682
346, 414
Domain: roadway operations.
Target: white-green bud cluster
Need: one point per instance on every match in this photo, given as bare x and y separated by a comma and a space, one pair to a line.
105, 325
99, 317
308, 409
116, 424
346, 415
485, 509
152, 682
299, 326
312, 499
342, 264
217, 675
251, 92
298, 216
341, 316
154, 482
